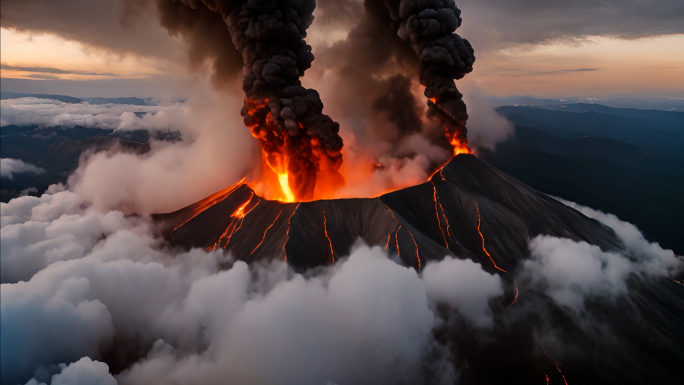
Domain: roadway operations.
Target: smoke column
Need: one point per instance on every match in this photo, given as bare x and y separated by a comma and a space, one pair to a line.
429, 25
299, 142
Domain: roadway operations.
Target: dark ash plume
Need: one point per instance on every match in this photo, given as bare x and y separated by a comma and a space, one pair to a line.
295, 135
206, 35
429, 25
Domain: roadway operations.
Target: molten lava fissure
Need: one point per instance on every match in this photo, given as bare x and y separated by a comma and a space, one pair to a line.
416, 245
557, 365
235, 224
446, 243
287, 238
265, 232
396, 237
514, 298
325, 228
210, 201
479, 222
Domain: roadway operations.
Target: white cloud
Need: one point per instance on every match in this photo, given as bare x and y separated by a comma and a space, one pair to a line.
463, 285
88, 277
216, 151
82, 372
9, 167
76, 281
571, 272
53, 113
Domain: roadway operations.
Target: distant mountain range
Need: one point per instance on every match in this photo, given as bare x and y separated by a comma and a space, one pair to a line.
637, 103
70, 99
627, 162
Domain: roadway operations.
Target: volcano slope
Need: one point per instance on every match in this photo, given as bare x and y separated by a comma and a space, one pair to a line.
468, 209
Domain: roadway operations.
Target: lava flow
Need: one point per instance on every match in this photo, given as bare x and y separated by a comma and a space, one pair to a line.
557, 364
325, 228
446, 243
265, 232
514, 298
479, 222
209, 201
235, 223
297, 167
287, 233
396, 237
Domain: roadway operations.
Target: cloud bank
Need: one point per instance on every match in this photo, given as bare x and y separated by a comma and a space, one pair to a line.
100, 288
124, 117
9, 167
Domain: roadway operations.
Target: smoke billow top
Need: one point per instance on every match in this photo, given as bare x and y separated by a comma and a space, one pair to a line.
429, 25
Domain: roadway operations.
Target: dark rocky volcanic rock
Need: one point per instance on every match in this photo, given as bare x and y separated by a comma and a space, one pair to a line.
468, 209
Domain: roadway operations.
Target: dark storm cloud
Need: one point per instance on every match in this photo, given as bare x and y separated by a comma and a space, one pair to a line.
490, 24
496, 23
559, 72
123, 26
48, 70
120, 26
207, 37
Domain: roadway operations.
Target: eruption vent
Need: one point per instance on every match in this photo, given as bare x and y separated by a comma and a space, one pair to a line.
299, 143
429, 25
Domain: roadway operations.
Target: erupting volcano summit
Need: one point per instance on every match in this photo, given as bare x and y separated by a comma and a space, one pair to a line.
301, 145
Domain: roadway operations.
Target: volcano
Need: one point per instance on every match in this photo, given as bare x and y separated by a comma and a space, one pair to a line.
467, 209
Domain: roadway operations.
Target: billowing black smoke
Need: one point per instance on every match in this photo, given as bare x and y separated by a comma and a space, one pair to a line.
295, 135
429, 25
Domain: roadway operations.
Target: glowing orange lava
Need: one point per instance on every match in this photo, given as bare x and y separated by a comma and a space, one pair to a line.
297, 167
561, 373
268, 228
514, 298
288, 230
396, 237
416, 245
325, 228
557, 367
437, 214
459, 147
479, 222
235, 223
210, 201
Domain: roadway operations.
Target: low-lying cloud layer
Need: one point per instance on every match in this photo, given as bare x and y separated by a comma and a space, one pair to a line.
54, 113
99, 287
9, 167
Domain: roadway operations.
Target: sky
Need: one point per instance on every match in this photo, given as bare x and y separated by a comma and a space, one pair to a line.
606, 48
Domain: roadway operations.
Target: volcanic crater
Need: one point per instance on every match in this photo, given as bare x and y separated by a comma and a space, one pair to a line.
467, 209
